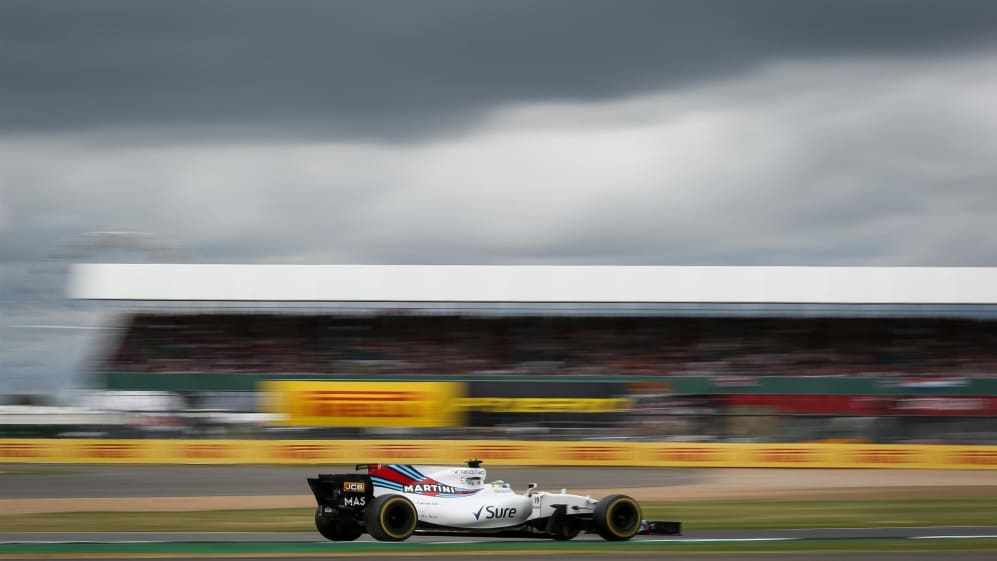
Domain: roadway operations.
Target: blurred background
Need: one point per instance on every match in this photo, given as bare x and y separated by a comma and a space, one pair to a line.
692, 372
631, 133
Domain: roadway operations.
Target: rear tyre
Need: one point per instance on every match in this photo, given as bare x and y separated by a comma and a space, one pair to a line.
617, 518
390, 518
337, 530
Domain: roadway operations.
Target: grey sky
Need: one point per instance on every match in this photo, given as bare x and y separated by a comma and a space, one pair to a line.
403, 70
738, 132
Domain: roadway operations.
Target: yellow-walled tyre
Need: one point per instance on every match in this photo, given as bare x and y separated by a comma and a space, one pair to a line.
617, 518
390, 518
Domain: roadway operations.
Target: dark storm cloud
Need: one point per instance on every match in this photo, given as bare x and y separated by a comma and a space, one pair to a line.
401, 69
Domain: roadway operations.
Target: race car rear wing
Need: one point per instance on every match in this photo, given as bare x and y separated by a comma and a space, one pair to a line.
350, 491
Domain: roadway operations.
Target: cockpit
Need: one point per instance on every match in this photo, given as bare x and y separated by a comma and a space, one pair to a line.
499, 484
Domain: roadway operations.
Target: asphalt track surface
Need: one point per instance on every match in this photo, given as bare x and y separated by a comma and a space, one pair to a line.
191, 550
802, 556
433, 543
36, 481
137, 481
932, 532
782, 556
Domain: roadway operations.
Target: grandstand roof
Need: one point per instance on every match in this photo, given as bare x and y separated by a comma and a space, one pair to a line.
533, 284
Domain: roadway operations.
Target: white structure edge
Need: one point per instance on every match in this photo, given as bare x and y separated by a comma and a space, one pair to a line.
540, 284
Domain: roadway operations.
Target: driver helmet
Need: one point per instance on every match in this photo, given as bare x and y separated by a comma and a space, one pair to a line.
499, 484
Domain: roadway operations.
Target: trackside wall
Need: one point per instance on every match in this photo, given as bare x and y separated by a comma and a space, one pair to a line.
506, 452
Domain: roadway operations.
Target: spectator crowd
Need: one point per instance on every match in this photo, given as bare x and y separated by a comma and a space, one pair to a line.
551, 345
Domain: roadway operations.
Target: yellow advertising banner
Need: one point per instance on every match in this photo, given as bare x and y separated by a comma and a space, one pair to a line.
304, 403
687, 455
31, 450
309, 451
545, 404
590, 453
113, 451
785, 455
207, 451
497, 452
968, 457
887, 456
502, 452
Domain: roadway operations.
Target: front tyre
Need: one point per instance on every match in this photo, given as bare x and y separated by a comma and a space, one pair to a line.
617, 518
337, 530
390, 518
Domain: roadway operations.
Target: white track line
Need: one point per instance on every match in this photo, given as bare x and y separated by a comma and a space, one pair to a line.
951, 537
718, 540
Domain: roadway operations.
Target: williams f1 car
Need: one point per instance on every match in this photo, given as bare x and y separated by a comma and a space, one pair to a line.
394, 501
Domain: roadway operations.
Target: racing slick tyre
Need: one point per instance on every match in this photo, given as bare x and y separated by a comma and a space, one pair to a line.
390, 518
617, 518
337, 530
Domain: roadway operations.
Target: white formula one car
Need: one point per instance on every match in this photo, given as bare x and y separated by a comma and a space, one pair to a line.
393, 501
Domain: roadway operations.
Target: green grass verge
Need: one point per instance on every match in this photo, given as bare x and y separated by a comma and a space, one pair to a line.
760, 515
695, 515
19, 471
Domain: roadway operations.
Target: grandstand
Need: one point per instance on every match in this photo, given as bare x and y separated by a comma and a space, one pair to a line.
393, 343
699, 353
